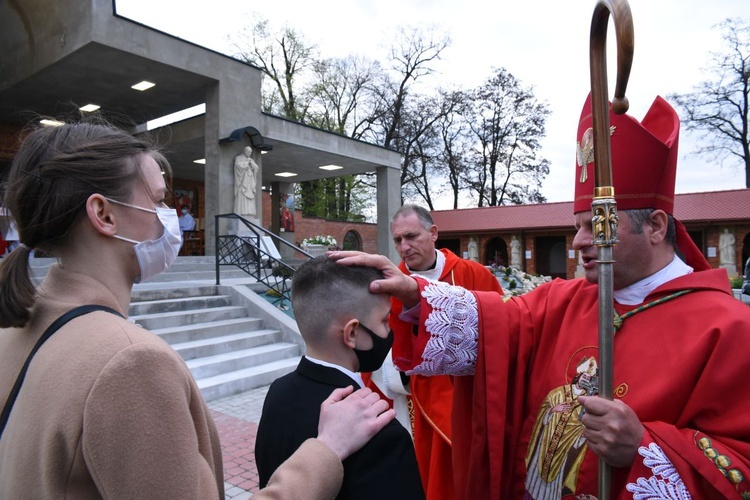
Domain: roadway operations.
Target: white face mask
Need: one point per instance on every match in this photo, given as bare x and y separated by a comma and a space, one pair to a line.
156, 256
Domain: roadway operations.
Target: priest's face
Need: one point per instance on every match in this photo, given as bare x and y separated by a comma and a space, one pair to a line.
414, 244
632, 254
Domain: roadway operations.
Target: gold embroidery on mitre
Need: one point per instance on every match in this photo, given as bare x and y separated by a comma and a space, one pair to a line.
585, 151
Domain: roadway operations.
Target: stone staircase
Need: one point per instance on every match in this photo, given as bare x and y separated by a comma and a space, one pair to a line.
232, 339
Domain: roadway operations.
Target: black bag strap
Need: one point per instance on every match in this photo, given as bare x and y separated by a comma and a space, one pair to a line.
56, 325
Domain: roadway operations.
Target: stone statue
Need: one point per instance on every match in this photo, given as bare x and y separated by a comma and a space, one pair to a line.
473, 250
726, 248
245, 173
515, 253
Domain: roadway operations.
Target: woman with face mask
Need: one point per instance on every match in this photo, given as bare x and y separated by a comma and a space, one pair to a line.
95, 406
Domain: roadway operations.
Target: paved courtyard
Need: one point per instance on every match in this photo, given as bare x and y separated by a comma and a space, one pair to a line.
237, 420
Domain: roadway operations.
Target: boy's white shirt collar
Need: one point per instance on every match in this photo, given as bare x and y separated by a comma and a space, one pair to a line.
637, 292
353, 375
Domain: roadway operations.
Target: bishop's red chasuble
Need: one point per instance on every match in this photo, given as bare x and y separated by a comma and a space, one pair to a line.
680, 364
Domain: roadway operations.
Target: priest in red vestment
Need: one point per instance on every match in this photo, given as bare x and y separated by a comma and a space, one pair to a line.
431, 400
678, 426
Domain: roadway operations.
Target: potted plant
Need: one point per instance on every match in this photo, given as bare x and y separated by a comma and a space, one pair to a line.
318, 245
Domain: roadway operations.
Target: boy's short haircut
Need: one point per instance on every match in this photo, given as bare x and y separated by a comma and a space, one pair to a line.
323, 290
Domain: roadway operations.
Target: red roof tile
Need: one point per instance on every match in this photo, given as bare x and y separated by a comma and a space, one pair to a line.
714, 206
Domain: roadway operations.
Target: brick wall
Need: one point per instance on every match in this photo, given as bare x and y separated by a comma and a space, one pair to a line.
306, 227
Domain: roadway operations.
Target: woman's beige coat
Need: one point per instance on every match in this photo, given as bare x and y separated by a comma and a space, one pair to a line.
107, 410
313, 472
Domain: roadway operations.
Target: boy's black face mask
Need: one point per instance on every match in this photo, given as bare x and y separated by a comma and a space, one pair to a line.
372, 359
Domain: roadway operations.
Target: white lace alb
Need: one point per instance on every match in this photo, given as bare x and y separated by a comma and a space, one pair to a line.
453, 328
665, 483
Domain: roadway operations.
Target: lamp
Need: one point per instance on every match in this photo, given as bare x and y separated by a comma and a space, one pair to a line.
256, 138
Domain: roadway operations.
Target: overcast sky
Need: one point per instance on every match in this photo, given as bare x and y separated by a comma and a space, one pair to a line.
543, 43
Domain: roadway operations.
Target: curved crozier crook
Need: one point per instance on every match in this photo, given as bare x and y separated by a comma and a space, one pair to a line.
623, 21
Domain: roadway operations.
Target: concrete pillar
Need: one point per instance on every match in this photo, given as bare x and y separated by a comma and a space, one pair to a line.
216, 179
389, 201
227, 109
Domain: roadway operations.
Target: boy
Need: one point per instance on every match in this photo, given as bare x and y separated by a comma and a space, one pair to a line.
345, 329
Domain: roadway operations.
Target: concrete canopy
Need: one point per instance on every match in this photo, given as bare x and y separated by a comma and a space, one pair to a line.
55, 56
297, 148
103, 75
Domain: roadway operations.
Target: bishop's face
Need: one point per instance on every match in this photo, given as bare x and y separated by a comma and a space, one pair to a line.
631, 254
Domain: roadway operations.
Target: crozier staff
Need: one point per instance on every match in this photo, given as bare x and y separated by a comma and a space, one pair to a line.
604, 207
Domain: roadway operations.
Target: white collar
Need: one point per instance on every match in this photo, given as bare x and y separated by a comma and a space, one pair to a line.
434, 273
637, 292
355, 376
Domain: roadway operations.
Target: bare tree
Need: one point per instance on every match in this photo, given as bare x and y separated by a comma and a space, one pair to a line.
341, 94
508, 123
416, 141
323, 93
412, 54
718, 108
455, 133
284, 57
423, 166
435, 162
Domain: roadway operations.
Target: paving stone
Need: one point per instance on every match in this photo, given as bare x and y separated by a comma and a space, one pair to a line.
236, 419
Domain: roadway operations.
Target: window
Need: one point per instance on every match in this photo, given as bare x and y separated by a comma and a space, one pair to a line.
352, 241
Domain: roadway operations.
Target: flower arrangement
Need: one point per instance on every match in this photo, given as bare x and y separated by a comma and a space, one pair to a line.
517, 282
326, 240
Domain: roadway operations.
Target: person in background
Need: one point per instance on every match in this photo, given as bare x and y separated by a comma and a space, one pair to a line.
187, 222
430, 399
106, 409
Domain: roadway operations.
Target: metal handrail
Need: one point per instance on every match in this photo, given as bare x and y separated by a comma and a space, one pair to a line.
247, 253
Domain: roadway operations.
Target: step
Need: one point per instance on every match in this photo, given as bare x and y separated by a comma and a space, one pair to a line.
180, 318
210, 366
142, 293
179, 266
227, 384
183, 269
144, 307
187, 333
225, 343
199, 275
227, 350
